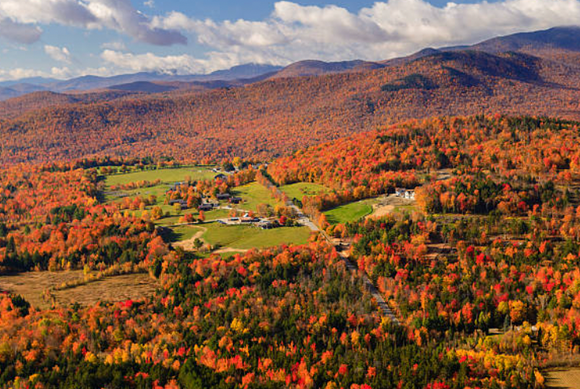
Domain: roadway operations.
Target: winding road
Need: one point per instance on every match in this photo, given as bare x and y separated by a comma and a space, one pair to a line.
382, 304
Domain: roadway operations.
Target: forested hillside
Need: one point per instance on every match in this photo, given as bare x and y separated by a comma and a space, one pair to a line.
400, 224
272, 118
481, 270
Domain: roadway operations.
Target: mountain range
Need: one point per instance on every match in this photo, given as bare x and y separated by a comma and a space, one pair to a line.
262, 111
16, 88
560, 38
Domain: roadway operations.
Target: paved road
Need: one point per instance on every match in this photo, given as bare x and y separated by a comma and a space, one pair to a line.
382, 304
302, 218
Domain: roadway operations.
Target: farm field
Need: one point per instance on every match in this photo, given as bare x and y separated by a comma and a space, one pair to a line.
563, 379
301, 189
254, 194
32, 285
243, 237
350, 212
246, 237
386, 205
167, 176
181, 233
216, 214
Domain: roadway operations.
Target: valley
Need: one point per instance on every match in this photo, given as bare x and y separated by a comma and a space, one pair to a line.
411, 223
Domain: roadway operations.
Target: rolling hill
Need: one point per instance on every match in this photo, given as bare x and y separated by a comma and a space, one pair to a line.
317, 68
10, 89
273, 117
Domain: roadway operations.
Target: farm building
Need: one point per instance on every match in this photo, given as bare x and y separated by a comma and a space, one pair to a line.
268, 224
405, 193
207, 206
181, 202
235, 200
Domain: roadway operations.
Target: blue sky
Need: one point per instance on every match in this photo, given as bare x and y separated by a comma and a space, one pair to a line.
68, 38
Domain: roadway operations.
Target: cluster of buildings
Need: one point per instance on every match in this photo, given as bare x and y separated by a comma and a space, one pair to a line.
263, 223
208, 204
405, 193
229, 197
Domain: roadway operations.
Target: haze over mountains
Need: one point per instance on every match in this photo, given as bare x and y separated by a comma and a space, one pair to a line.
263, 111
560, 38
16, 88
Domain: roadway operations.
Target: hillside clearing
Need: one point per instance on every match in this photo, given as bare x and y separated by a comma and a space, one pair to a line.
350, 212
32, 286
563, 379
253, 194
301, 189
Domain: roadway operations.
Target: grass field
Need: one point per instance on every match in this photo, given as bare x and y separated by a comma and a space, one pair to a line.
254, 194
216, 214
31, 286
185, 232
350, 212
301, 189
241, 237
568, 378
167, 177
247, 237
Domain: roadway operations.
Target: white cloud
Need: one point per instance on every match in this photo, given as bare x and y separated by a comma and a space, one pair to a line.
384, 30
55, 72
116, 45
67, 12
292, 32
120, 15
57, 53
18, 32
149, 3
61, 73
117, 15
20, 73
173, 64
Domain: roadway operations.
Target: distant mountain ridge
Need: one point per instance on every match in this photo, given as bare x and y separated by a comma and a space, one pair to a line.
10, 89
553, 39
317, 68
304, 104
558, 38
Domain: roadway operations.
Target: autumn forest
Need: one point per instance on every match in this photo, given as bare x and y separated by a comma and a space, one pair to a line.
413, 225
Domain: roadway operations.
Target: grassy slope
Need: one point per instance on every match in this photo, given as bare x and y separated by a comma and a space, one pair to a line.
254, 194
246, 237
31, 286
350, 212
301, 189
185, 232
167, 176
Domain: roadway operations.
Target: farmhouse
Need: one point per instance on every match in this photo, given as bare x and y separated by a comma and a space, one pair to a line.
232, 221
248, 220
207, 206
223, 196
235, 200
181, 202
405, 193
175, 186
268, 224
